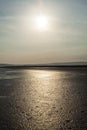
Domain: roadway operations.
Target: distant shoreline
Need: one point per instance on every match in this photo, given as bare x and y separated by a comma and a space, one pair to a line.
48, 67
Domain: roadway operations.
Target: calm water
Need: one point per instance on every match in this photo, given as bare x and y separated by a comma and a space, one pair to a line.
43, 99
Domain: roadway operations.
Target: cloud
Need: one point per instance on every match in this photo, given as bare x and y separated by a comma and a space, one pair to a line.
7, 17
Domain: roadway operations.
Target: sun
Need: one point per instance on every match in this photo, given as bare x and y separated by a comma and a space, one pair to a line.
41, 22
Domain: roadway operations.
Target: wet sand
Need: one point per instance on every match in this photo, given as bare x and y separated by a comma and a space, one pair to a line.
43, 99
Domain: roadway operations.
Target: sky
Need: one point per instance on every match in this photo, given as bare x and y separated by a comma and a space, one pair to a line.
64, 40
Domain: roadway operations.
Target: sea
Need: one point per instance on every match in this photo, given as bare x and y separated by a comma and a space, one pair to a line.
43, 99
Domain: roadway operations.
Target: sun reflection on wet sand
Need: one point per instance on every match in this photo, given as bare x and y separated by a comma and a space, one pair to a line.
43, 100
42, 97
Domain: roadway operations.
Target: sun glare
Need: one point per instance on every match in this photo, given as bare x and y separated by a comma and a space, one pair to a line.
41, 22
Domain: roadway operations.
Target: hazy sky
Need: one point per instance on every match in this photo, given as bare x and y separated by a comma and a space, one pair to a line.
64, 40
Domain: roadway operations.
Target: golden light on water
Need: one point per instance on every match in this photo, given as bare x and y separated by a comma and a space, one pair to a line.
43, 99
42, 95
